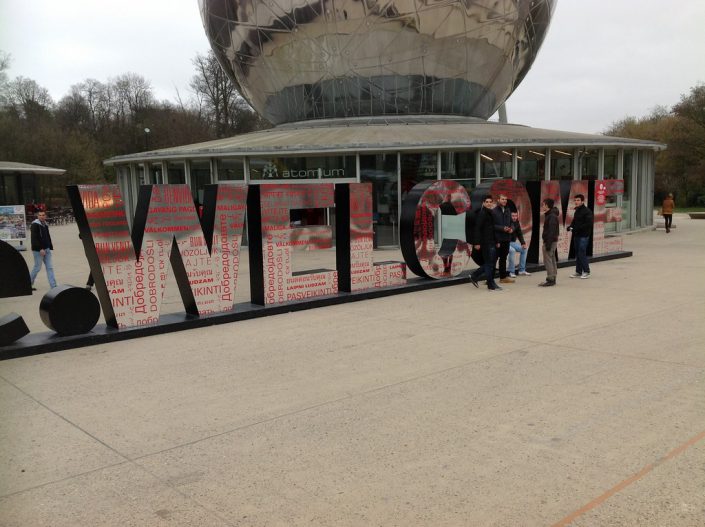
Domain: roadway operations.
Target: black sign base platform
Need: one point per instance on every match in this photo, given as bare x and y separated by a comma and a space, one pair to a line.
38, 343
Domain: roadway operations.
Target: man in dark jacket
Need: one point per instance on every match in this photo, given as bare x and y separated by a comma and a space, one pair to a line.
550, 241
582, 229
485, 240
503, 232
41, 249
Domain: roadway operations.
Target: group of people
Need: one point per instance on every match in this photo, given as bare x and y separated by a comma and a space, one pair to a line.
497, 238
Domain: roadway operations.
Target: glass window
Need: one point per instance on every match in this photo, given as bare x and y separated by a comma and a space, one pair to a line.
588, 164
200, 177
531, 165
381, 171
416, 168
495, 164
177, 172
561, 164
302, 168
459, 166
141, 176
156, 175
610, 164
231, 170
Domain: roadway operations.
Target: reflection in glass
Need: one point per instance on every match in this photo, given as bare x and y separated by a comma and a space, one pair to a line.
588, 164
460, 166
495, 164
231, 170
156, 174
200, 177
561, 165
416, 168
176, 171
381, 171
531, 165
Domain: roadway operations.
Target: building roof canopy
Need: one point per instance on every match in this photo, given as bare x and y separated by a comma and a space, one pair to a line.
384, 135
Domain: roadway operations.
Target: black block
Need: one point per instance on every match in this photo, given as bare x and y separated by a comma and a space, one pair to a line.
15, 275
69, 310
12, 328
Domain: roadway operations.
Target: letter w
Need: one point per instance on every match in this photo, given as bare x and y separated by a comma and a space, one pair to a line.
167, 234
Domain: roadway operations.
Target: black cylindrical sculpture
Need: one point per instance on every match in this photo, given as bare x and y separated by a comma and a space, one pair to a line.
69, 310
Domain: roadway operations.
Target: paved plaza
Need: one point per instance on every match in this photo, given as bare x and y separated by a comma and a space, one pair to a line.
582, 404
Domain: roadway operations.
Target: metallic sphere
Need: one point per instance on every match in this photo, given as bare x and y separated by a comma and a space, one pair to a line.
296, 60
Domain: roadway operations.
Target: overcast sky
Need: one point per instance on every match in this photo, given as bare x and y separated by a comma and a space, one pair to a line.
601, 61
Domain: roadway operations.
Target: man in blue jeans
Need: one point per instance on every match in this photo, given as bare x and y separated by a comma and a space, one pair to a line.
517, 244
41, 249
581, 227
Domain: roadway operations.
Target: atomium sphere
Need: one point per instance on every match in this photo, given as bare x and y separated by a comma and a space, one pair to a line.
295, 60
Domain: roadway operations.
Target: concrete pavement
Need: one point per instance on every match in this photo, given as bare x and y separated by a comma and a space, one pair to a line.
582, 404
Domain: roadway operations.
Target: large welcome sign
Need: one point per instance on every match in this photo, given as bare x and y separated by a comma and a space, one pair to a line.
130, 268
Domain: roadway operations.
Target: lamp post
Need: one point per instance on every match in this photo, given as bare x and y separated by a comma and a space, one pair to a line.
146, 138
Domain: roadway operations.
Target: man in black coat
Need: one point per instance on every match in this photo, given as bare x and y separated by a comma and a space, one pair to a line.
582, 230
485, 240
550, 241
503, 232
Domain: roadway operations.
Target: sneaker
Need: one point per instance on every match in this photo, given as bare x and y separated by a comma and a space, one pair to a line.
576, 275
524, 273
512, 275
547, 283
494, 288
506, 280
585, 276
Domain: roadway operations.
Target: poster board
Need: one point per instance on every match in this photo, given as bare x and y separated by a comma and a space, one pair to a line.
13, 223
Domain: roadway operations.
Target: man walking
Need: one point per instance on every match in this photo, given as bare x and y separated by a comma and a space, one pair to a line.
581, 227
550, 241
485, 240
503, 232
41, 249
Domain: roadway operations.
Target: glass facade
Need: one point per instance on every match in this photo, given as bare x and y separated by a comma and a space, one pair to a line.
495, 164
176, 172
416, 168
460, 166
381, 171
561, 164
200, 177
231, 169
589, 163
394, 174
531, 165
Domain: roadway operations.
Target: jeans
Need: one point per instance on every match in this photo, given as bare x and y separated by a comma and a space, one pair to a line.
581, 259
38, 259
513, 248
489, 253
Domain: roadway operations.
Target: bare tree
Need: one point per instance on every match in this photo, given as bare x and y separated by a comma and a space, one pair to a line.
27, 98
228, 113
